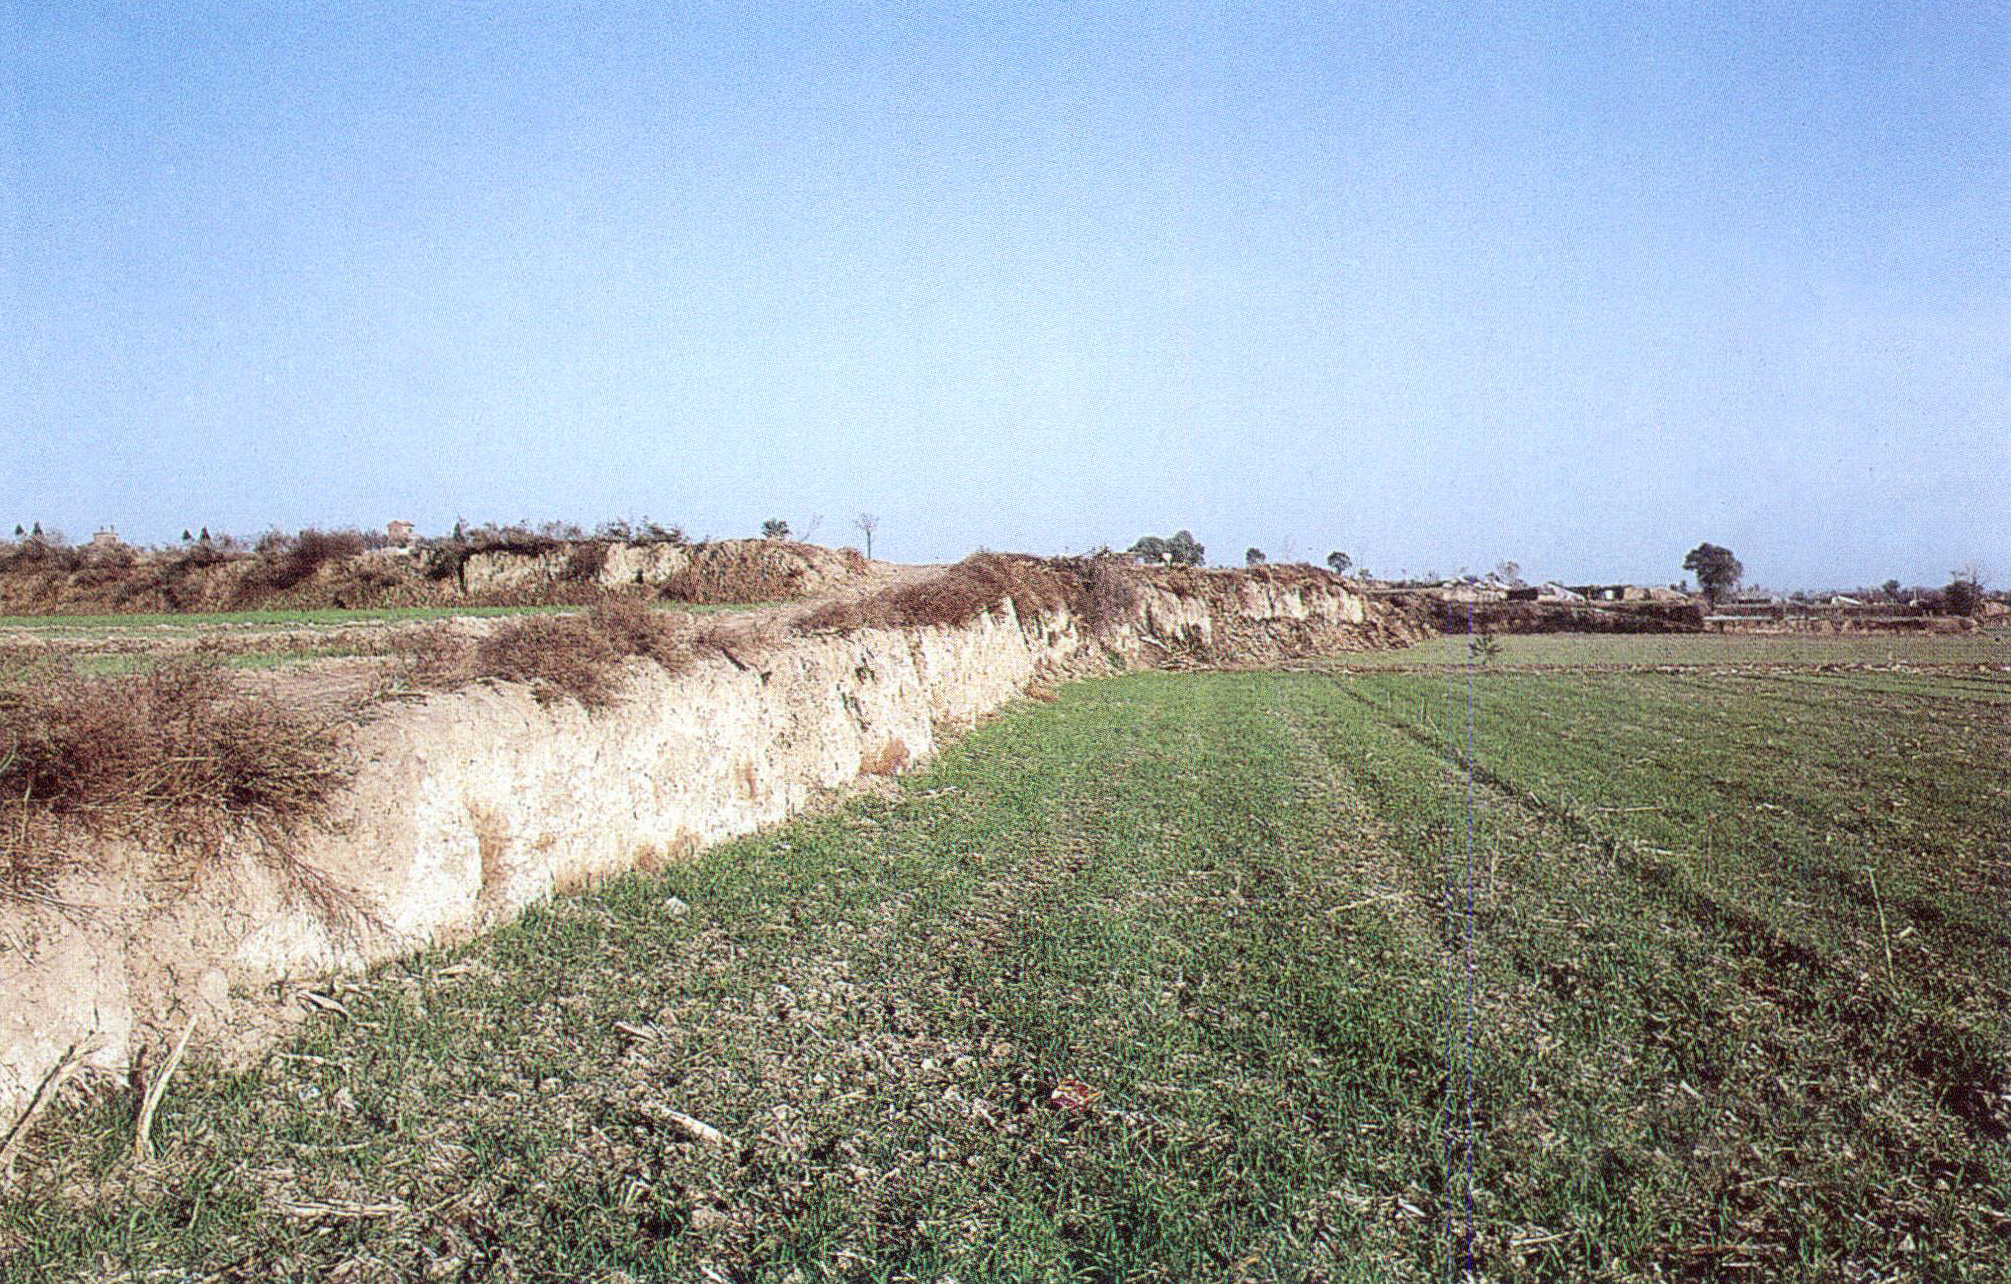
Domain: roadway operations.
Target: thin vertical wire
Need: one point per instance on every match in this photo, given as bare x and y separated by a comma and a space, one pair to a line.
1452, 999
1471, 661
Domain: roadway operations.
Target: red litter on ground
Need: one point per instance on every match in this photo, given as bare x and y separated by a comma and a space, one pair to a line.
1073, 1094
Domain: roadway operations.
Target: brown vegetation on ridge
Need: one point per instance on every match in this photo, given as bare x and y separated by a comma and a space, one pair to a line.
1097, 590
181, 757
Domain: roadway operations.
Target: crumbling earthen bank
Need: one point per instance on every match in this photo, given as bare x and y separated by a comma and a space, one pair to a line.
467, 806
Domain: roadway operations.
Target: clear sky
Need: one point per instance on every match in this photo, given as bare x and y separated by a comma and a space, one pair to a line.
1577, 285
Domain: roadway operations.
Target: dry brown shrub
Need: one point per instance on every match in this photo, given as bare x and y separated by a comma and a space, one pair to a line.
435, 657
1042, 693
515, 537
978, 584
51, 553
768, 570
577, 656
556, 655
289, 563
585, 562
633, 629
1112, 595
182, 757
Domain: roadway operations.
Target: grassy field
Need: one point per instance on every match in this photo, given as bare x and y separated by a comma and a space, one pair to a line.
1746, 650
117, 662
1719, 988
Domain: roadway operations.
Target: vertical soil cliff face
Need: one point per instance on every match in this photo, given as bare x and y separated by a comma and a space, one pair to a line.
466, 807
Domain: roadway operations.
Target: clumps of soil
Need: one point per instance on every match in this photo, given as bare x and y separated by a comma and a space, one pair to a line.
887, 760
180, 757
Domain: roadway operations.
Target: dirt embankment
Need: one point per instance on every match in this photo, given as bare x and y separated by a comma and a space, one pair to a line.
1825, 625
1563, 617
322, 571
545, 753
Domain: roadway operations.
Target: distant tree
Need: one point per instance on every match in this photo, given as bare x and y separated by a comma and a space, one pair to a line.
18, 532
1181, 550
1715, 568
1964, 594
1339, 562
1509, 573
1891, 590
37, 532
1185, 550
775, 528
204, 537
867, 524
186, 537
1253, 557
810, 527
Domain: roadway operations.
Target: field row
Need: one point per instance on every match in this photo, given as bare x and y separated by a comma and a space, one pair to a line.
1189, 978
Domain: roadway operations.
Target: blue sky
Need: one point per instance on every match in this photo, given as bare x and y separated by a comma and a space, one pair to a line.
1437, 287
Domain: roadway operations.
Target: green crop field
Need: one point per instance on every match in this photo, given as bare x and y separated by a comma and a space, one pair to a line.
144, 662
1679, 974
1737, 650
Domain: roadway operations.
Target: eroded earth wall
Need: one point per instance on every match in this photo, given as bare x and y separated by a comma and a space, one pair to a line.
468, 806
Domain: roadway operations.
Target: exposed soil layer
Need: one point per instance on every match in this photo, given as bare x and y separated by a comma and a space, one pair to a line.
1558, 617
1660, 617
